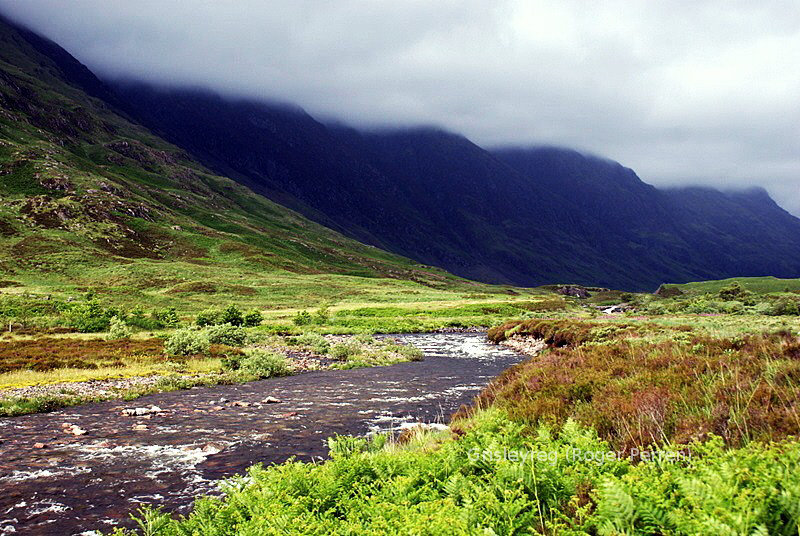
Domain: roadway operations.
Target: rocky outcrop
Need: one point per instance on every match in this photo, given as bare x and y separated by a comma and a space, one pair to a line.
574, 291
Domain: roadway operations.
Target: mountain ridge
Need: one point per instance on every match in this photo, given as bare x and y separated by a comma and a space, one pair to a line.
523, 216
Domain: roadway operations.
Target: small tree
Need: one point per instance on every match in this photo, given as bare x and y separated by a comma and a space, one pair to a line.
253, 318
168, 317
232, 315
303, 318
118, 329
734, 291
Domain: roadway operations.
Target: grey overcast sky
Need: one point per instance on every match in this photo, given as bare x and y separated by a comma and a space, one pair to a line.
684, 92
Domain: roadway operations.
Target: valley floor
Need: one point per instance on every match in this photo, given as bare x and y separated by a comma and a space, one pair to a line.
671, 415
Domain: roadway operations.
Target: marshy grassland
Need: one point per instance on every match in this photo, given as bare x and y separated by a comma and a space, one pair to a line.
59, 340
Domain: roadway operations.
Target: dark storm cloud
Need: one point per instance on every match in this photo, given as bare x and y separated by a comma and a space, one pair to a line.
701, 92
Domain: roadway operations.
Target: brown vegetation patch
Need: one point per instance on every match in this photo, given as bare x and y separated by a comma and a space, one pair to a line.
6, 229
550, 304
202, 287
668, 292
32, 247
129, 248
238, 247
242, 290
149, 159
52, 353
46, 212
638, 394
186, 249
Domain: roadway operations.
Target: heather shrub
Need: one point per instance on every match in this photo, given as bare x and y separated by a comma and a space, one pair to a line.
676, 387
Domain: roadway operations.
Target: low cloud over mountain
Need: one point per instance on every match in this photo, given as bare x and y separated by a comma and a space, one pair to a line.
685, 93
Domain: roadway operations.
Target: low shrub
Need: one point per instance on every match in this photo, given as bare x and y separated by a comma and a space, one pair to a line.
226, 334
258, 363
118, 329
784, 307
313, 341
364, 338
411, 353
187, 341
345, 350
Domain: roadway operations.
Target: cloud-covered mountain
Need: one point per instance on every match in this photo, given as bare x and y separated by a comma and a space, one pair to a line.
524, 216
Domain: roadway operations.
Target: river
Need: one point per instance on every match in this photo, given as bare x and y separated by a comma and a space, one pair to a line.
56, 483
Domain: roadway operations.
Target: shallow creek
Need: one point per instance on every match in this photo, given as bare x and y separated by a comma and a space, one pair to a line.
76, 484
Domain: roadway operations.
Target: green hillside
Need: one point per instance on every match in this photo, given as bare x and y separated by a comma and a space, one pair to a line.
90, 202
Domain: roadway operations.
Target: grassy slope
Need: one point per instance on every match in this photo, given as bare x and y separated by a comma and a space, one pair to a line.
759, 285
90, 201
